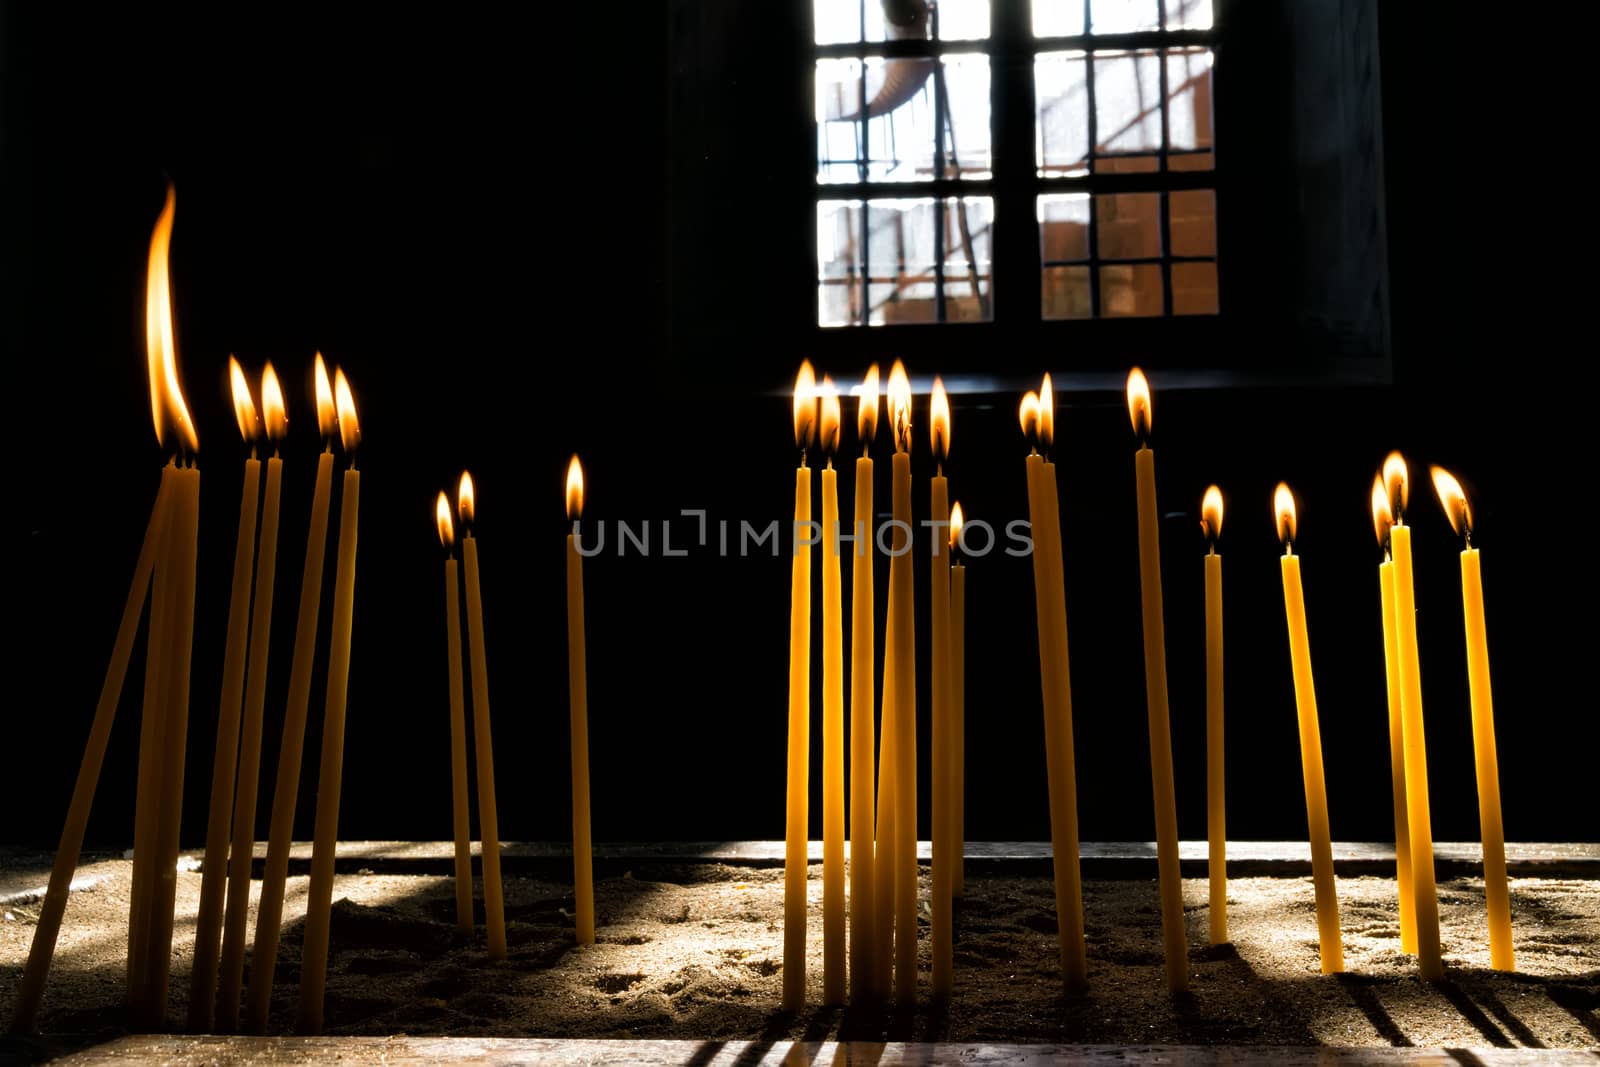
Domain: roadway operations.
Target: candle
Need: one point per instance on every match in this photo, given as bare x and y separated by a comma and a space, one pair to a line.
1382, 520
483, 741
863, 900
883, 860
958, 695
833, 934
269, 910
905, 697
578, 713
1329, 943
319, 896
943, 725
242, 850
1050, 612
1454, 500
1425, 895
799, 762
213, 880
1216, 822
1155, 675
458, 727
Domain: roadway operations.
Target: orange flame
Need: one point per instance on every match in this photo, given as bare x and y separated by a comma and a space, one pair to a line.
1382, 516
1047, 414
273, 413
867, 408
939, 421
574, 488
900, 407
327, 413
441, 516
167, 407
829, 438
1453, 499
805, 406
1139, 402
466, 499
957, 520
1395, 480
1283, 504
244, 409
349, 425
1211, 513
1028, 412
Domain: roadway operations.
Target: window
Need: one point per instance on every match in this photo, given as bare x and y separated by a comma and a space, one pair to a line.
912, 176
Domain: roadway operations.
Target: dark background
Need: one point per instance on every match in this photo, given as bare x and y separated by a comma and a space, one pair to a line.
594, 233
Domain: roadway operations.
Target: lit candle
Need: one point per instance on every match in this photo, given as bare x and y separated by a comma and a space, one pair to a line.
269, 911
799, 761
1425, 894
224, 764
1329, 942
459, 818
578, 713
482, 736
1155, 676
1216, 822
242, 850
958, 695
863, 901
1382, 519
884, 859
1454, 500
833, 933
943, 726
905, 697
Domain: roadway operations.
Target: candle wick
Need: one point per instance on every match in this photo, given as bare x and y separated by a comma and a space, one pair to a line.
327, 444
1288, 548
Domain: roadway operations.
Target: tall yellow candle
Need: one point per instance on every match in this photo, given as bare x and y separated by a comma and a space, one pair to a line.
799, 762
1216, 819
1173, 939
883, 869
1329, 943
578, 714
1049, 595
958, 696
1419, 822
943, 726
863, 743
241, 851
269, 911
213, 880
1496, 887
482, 734
459, 817
319, 895
833, 903
905, 697
1382, 520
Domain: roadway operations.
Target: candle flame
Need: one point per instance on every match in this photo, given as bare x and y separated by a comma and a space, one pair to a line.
1028, 412
1454, 500
441, 516
466, 499
273, 412
327, 413
1047, 413
867, 408
957, 520
900, 407
829, 439
1382, 516
1396, 483
805, 406
244, 409
1211, 513
349, 425
939, 421
1139, 402
574, 488
1283, 504
167, 407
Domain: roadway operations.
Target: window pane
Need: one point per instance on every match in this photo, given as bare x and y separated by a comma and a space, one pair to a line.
836, 21
1130, 289
1125, 16
1065, 294
1128, 225
1061, 132
839, 21
1057, 18
1192, 216
1189, 99
898, 99
966, 138
902, 282
900, 260
969, 226
1188, 14
1127, 87
962, 20
1064, 227
1194, 288
838, 262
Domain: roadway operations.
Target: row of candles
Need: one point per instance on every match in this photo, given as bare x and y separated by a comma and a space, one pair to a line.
882, 906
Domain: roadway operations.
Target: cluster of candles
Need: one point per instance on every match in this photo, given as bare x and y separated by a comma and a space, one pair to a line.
882, 905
